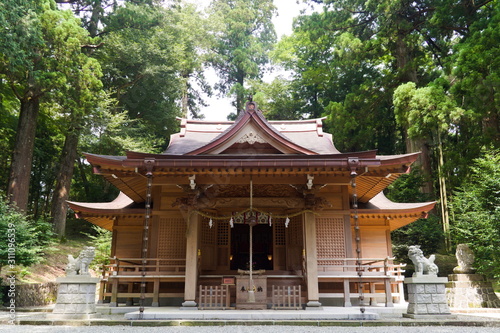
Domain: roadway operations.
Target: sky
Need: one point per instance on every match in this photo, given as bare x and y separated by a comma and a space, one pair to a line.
220, 107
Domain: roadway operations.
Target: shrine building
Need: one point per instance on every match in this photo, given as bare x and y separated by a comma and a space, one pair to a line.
251, 214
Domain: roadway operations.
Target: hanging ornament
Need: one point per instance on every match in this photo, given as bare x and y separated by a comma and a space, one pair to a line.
287, 222
270, 221
210, 223
231, 222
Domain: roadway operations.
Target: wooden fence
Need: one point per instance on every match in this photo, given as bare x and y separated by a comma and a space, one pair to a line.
214, 298
286, 297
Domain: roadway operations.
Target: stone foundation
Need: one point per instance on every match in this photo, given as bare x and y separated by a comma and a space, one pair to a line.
426, 297
75, 298
470, 291
36, 294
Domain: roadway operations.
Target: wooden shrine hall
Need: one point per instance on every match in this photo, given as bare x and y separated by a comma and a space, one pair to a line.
251, 214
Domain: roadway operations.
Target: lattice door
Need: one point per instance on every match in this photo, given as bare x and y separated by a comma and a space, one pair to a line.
330, 239
208, 245
172, 238
279, 246
294, 247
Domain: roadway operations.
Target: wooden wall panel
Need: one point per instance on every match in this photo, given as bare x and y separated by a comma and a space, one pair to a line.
128, 242
374, 243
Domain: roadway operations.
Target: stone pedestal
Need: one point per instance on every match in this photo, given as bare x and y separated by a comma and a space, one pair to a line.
75, 298
470, 291
426, 297
259, 287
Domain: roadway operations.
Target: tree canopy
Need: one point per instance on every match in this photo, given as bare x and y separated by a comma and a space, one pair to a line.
106, 76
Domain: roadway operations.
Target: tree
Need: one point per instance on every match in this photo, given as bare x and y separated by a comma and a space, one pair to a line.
476, 70
429, 113
241, 44
476, 213
38, 51
24, 66
76, 102
150, 53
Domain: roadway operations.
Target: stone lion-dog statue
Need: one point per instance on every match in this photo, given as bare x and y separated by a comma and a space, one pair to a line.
80, 264
423, 266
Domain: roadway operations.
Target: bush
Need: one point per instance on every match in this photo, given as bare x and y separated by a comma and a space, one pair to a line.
29, 237
476, 213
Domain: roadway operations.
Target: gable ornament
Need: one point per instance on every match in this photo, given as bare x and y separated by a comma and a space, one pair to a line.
251, 138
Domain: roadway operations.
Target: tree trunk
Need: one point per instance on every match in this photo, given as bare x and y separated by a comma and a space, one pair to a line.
83, 176
408, 73
22, 156
185, 96
95, 18
63, 184
444, 197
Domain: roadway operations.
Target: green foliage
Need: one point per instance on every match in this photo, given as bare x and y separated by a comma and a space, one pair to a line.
101, 240
426, 111
407, 188
477, 69
476, 213
241, 43
428, 232
29, 237
277, 100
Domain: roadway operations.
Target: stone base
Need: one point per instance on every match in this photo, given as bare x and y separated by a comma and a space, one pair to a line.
426, 296
429, 317
313, 305
189, 305
471, 291
75, 298
72, 316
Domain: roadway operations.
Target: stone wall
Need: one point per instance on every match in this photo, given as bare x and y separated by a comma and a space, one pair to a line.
36, 294
470, 291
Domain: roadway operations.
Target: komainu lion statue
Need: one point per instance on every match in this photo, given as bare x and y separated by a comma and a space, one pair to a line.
80, 265
423, 266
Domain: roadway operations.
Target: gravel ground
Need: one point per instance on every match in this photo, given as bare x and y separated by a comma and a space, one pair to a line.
243, 329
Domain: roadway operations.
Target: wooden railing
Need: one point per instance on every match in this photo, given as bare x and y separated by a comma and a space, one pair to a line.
374, 271
286, 297
214, 298
152, 266
369, 266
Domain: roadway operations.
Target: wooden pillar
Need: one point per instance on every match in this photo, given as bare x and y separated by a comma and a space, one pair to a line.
311, 260
130, 300
347, 293
156, 292
191, 279
373, 290
114, 293
102, 286
388, 293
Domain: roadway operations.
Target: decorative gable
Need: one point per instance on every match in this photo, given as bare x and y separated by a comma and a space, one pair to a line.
251, 133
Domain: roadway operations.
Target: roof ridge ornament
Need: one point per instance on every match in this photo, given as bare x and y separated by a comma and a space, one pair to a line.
251, 106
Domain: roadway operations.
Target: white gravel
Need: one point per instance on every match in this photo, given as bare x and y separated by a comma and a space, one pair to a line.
244, 329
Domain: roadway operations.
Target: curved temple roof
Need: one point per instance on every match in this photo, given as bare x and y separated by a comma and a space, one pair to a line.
251, 146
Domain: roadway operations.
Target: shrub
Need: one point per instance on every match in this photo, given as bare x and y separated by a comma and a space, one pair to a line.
29, 237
